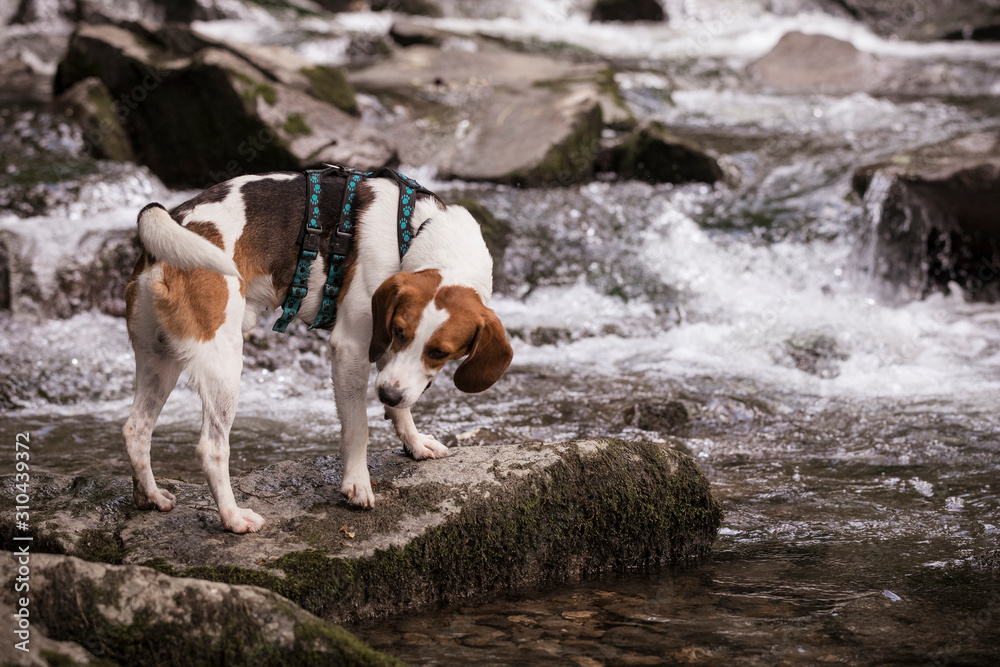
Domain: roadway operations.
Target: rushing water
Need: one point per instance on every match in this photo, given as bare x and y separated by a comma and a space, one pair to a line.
853, 444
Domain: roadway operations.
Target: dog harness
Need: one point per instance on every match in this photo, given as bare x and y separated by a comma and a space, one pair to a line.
342, 239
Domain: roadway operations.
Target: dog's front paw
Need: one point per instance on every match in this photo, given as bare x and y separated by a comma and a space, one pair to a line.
358, 492
239, 520
157, 500
426, 447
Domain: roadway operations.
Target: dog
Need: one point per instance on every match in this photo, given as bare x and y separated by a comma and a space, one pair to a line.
213, 264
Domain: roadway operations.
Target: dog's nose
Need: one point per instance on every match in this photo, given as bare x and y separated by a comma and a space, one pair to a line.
390, 396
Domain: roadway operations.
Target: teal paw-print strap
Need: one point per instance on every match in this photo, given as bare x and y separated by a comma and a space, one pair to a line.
408, 189
342, 239
340, 246
309, 250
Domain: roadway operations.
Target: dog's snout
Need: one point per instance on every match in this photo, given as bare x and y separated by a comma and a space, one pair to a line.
390, 396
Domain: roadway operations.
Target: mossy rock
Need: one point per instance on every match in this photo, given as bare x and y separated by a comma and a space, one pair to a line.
330, 85
530, 120
88, 104
199, 111
133, 615
653, 154
488, 518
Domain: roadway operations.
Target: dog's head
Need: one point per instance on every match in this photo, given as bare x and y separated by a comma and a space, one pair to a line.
418, 325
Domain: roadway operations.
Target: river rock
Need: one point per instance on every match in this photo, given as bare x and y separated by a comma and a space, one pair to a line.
417, 7
931, 219
88, 104
927, 19
19, 290
660, 416
99, 280
487, 518
131, 615
653, 154
627, 10
199, 111
802, 63
492, 114
408, 33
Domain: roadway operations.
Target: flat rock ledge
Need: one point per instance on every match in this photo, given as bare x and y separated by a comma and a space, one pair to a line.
486, 519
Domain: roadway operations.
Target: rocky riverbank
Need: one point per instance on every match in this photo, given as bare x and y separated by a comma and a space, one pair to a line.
488, 518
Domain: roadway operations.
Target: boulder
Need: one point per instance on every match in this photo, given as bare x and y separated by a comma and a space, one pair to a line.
815, 353
408, 33
661, 416
131, 615
805, 64
19, 289
20, 83
925, 20
88, 104
653, 154
802, 63
101, 11
493, 114
488, 518
98, 279
199, 111
931, 219
416, 7
627, 10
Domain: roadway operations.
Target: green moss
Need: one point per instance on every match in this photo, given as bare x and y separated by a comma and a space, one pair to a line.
572, 160
223, 632
631, 505
99, 547
252, 88
112, 142
296, 126
330, 85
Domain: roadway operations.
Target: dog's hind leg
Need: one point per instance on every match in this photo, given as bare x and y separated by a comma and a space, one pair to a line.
155, 377
217, 377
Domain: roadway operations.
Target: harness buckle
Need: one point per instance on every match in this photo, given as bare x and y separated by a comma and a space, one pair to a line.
340, 243
311, 240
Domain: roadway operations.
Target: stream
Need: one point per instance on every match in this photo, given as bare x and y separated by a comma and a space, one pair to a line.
852, 441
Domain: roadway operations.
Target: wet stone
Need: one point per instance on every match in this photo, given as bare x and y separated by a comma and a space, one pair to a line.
476, 504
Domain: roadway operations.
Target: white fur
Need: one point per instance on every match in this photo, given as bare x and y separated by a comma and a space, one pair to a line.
451, 243
171, 243
405, 372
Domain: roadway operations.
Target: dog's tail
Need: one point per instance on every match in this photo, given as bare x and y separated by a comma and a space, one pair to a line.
166, 240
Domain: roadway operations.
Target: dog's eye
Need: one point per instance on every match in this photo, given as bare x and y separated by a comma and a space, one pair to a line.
436, 353
398, 333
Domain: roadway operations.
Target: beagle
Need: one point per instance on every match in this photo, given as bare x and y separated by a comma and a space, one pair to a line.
210, 266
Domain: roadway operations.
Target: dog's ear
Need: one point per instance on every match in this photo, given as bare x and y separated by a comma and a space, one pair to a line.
490, 356
383, 307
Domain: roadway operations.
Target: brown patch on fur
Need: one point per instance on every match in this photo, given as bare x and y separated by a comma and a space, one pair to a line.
190, 304
131, 287
400, 302
471, 327
209, 231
